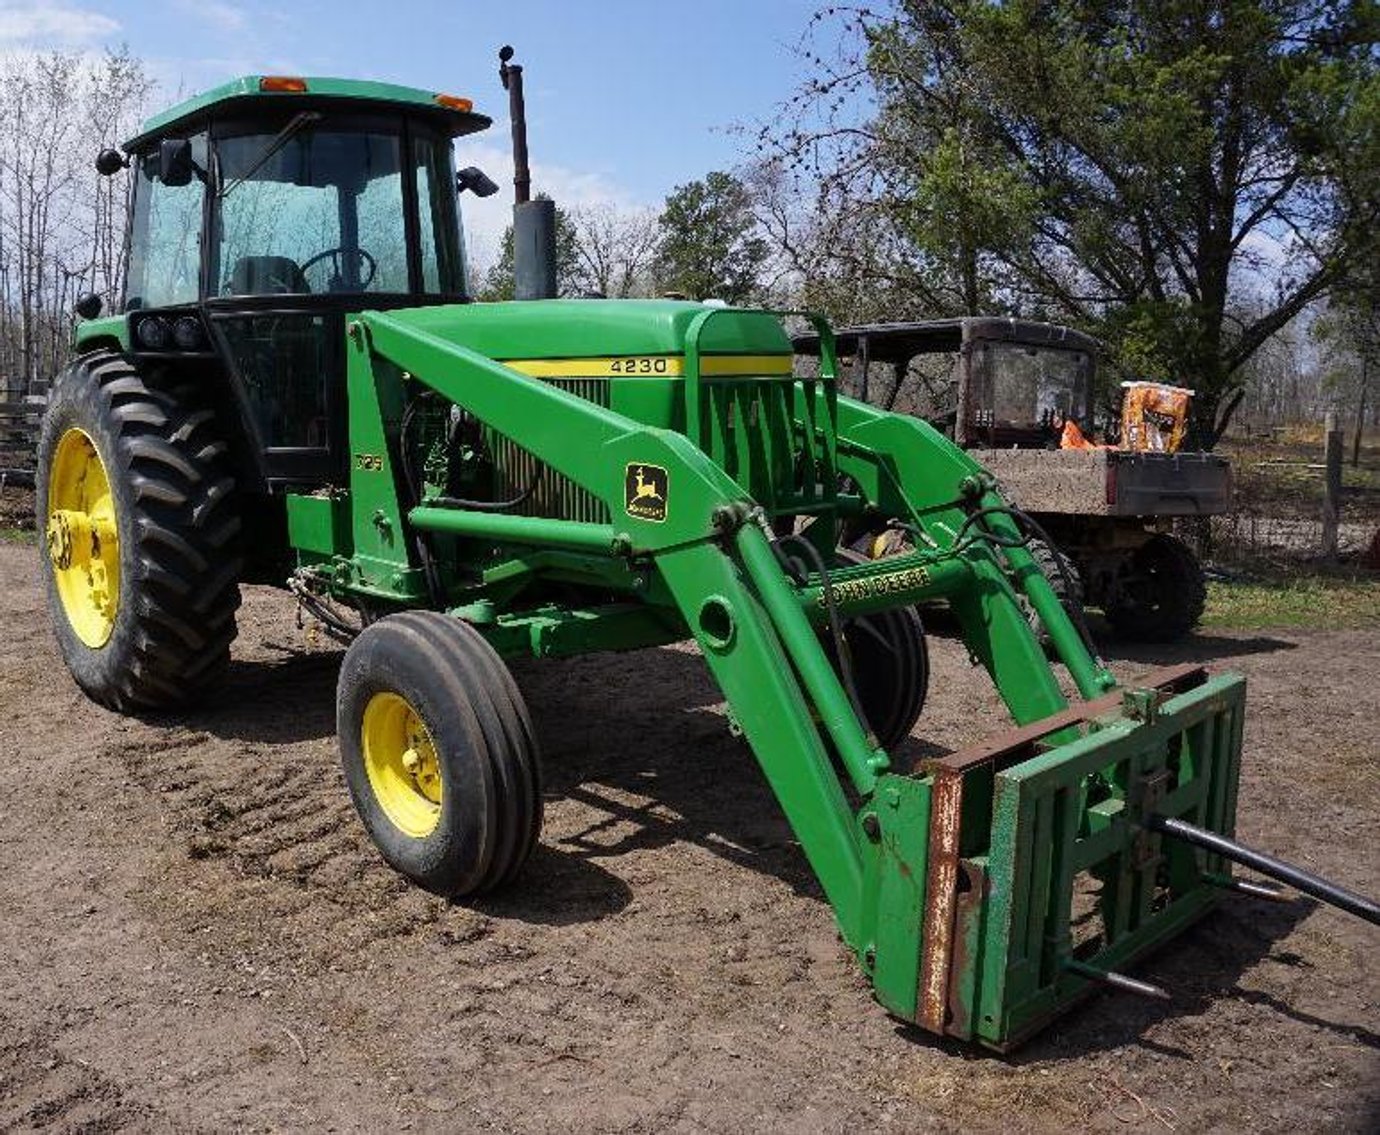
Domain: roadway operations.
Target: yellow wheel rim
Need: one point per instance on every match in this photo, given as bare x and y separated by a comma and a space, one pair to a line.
82, 538
401, 763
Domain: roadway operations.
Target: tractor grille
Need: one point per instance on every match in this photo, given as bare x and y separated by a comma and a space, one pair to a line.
556, 496
774, 438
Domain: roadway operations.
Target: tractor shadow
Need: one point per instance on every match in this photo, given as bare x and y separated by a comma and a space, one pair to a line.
557, 887
1201, 969
1197, 647
639, 742
275, 701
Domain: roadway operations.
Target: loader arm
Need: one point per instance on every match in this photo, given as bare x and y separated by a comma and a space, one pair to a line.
954, 884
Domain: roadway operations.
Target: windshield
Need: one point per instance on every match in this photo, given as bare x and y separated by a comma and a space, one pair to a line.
1028, 387
319, 209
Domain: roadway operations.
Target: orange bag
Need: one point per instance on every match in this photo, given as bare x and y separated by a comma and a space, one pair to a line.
1154, 416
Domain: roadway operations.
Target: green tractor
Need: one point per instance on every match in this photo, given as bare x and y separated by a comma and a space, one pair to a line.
299, 390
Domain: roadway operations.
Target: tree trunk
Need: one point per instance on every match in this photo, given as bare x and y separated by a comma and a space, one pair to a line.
1360, 413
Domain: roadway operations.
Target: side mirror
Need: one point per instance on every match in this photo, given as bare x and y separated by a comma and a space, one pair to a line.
110, 162
89, 306
476, 181
175, 163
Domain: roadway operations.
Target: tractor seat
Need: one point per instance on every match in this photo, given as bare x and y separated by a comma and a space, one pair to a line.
266, 276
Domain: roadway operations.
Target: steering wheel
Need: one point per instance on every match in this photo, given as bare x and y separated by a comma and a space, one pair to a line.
338, 256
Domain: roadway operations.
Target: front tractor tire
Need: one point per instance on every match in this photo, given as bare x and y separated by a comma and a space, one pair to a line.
140, 535
438, 753
1162, 595
890, 663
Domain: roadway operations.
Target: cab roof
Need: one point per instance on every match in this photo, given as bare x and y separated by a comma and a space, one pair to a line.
899, 342
249, 93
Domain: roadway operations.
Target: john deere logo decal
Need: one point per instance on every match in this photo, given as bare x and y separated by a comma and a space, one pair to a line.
645, 489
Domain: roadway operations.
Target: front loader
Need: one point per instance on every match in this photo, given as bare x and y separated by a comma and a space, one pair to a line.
447, 484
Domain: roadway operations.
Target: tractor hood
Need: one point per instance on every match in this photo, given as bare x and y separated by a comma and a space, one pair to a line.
603, 330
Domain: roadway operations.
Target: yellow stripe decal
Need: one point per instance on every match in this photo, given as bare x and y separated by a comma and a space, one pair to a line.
652, 366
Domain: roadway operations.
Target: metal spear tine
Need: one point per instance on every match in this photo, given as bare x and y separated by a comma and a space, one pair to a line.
1296, 877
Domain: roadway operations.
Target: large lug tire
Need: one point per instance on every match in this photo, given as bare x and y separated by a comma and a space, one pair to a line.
438, 753
1067, 585
891, 666
141, 535
1161, 598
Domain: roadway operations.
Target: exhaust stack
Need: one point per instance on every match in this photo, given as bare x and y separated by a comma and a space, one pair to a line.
534, 222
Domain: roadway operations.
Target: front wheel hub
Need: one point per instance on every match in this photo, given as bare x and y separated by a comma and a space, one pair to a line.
401, 763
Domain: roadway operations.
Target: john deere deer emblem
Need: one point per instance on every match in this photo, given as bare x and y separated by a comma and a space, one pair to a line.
645, 490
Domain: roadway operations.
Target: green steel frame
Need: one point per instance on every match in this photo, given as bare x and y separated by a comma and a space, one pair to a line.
965, 888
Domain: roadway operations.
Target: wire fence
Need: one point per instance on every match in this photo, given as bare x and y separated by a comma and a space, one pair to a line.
1279, 507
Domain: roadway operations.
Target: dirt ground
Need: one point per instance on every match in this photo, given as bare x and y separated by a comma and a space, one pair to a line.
196, 935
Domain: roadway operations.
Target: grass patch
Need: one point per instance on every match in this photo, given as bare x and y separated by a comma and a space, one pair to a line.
18, 536
1317, 603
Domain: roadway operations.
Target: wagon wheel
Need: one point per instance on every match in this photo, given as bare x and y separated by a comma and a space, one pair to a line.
1162, 595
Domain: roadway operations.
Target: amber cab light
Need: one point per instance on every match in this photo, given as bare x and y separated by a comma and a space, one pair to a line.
283, 83
454, 102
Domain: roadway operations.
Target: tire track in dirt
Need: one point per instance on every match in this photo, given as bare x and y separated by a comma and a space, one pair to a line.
280, 817
665, 964
42, 1090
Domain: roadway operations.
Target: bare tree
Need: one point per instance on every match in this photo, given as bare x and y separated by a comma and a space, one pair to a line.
1349, 332
61, 224
615, 249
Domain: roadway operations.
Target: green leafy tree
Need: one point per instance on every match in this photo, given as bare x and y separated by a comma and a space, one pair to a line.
709, 246
1182, 177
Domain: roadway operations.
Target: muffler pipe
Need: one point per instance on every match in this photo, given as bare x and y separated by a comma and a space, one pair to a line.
534, 222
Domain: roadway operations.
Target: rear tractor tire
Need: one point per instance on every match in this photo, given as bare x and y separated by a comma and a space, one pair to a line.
1067, 585
141, 535
438, 753
1163, 594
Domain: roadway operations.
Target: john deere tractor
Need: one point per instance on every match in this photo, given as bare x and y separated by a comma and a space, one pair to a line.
298, 390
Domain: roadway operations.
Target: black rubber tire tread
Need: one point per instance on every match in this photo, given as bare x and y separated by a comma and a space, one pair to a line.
179, 527
1172, 605
891, 666
491, 808
1048, 558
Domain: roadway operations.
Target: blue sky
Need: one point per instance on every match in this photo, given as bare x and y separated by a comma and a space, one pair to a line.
625, 99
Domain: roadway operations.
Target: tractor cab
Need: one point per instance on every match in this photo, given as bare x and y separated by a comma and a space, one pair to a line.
262, 212
987, 382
